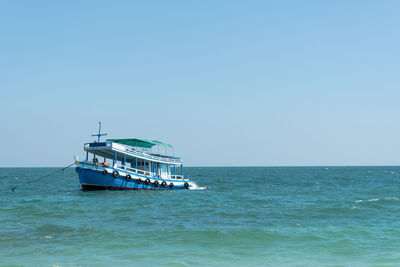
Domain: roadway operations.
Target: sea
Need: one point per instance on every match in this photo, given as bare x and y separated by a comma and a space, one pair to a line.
236, 216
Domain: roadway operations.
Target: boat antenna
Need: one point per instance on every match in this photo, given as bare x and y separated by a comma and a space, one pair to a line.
99, 134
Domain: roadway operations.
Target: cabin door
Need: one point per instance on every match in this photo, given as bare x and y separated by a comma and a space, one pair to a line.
164, 171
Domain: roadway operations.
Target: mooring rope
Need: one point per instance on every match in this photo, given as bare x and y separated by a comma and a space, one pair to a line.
44, 176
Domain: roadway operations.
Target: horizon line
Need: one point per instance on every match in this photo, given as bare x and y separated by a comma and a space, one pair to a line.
233, 166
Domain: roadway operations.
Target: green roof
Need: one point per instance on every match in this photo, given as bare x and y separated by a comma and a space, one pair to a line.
138, 142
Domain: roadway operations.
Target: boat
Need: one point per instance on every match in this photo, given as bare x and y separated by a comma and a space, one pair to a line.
129, 164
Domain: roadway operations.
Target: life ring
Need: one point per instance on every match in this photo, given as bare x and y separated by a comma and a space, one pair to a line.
115, 174
164, 184
128, 177
147, 181
139, 181
104, 172
171, 185
186, 185
156, 183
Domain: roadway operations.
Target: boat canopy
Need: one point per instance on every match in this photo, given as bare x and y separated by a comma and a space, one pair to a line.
138, 142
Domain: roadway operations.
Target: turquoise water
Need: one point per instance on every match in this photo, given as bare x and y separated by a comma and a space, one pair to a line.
256, 216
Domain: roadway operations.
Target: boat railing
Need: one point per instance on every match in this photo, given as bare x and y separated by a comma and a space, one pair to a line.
120, 167
145, 173
130, 150
137, 171
149, 156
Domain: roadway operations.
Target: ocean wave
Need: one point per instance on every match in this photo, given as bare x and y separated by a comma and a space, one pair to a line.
376, 199
392, 172
391, 198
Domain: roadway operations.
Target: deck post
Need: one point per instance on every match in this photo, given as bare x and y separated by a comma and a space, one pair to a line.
87, 156
115, 158
125, 162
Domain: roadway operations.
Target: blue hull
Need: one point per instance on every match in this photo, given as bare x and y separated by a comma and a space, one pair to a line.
95, 180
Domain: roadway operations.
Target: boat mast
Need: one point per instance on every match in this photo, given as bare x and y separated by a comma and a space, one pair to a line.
99, 134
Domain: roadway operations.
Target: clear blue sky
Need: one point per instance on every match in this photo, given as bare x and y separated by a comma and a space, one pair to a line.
238, 83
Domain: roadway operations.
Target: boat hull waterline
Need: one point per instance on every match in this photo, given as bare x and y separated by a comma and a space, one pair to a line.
96, 180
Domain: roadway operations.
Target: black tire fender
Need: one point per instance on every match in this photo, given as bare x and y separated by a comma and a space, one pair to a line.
186, 185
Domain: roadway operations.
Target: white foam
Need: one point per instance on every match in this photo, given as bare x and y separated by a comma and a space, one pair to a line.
196, 187
391, 198
48, 237
359, 201
373, 199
